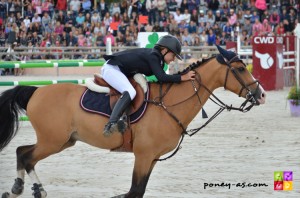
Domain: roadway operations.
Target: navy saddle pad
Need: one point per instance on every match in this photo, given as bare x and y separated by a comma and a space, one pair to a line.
98, 103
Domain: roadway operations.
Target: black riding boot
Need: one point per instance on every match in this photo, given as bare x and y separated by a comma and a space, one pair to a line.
117, 112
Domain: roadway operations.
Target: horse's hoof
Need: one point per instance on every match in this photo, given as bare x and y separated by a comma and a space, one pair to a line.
5, 195
120, 196
18, 186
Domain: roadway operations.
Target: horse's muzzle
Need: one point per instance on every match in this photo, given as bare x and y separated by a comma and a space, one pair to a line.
258, 96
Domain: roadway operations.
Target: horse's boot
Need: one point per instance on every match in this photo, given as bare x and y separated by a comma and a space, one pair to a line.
114, 122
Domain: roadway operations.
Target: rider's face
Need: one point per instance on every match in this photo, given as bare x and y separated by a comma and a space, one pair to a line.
169, 57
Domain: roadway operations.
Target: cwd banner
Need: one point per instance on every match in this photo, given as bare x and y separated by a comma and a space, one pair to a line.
267, 54
148, 40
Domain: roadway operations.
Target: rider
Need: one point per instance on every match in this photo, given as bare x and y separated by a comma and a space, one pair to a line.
146, 61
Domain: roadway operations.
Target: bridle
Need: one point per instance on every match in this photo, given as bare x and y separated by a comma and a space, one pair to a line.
250, 98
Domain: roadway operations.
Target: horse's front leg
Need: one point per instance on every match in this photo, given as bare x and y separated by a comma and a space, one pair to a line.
143, 167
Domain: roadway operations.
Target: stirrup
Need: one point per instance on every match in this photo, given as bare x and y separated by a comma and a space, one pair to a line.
109, 128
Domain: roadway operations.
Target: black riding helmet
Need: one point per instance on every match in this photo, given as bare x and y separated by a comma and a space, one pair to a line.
171, 43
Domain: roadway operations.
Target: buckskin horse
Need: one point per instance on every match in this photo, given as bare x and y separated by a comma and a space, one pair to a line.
176, 104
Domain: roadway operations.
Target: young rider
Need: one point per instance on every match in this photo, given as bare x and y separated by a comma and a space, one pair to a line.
124, 64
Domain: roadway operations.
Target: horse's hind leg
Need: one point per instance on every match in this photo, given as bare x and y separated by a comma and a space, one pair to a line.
18, 186
27, 158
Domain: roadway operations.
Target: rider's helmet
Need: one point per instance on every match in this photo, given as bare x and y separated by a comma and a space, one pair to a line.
171, 43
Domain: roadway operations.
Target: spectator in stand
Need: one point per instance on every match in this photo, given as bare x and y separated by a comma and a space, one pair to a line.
274, 19
95, 18
257, 28
46, 20
11, 18
266, 28
261, 7
172, 6
186, 16
218, 17
19, 19
245, 39
109, 35
30, 12
248, 14
103, 8
107, 20
161, 5
115, 9
211, 38
240, 17
195, 17
223, 39
254, 17
210, 17
123, 7
265, 15
46, 6
86, 6
201, 27
35, 3
48, 28
247, 27
201, 17
287, 26
75, 7
61, 17
178, 16
88, 19
232, 4
192, 28
3, 9
217, 30
59, 28
186, 37
232, 19
228, 29
193, 5
184, 5
203, 38
162, 19
27, 21
61, 5
213, 5
36, 19
69, 18
80, 20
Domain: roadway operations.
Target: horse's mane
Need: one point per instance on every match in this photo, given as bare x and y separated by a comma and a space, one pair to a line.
195, 65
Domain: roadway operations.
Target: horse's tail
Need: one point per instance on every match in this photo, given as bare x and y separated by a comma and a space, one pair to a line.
12, 102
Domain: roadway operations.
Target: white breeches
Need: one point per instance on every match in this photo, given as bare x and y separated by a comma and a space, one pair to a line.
115, 78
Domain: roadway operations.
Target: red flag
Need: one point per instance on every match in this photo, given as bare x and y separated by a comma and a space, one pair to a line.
114, 25
143, 19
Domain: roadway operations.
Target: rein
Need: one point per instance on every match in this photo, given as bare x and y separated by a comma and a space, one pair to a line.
158, 101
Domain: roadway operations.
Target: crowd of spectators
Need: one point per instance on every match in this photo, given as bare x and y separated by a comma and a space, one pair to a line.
80, 23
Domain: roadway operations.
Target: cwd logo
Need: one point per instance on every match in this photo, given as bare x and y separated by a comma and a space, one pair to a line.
266, 40
266, 61
283, 180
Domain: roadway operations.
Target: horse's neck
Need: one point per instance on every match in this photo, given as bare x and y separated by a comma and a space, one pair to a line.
182, 100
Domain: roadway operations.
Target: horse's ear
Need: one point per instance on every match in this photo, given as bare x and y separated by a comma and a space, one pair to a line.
222, 56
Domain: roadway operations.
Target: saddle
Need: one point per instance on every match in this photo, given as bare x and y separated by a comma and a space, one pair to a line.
133, 107
115, 95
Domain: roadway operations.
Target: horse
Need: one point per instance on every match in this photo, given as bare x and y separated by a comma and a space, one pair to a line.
173, 103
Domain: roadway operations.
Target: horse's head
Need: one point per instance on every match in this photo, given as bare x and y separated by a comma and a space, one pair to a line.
238, 79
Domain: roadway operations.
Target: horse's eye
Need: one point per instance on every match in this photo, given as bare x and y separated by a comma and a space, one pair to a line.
241, 69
